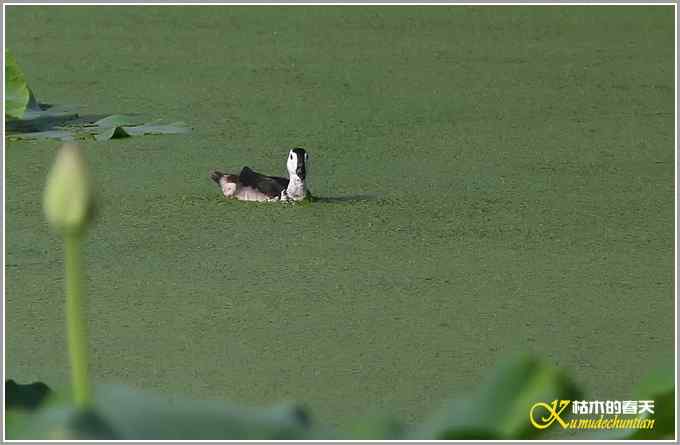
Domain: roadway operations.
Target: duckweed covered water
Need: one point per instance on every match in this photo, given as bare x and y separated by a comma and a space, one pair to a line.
495, 180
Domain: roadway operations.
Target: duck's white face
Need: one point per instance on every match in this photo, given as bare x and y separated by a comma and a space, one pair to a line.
297, 164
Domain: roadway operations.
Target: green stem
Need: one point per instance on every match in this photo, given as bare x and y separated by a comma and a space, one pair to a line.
76, 321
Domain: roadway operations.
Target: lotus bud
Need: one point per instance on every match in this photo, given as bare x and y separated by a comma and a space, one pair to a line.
68, 198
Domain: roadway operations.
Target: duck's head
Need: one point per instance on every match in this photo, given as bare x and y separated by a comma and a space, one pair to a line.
298, 161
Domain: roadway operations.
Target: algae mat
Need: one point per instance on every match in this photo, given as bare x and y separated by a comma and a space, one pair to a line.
500, 181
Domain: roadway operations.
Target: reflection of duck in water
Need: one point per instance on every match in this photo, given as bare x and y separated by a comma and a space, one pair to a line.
252, 186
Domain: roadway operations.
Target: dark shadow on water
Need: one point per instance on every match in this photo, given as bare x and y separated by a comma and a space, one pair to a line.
345, 199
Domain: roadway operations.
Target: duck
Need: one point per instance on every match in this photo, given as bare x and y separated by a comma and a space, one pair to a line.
252, 186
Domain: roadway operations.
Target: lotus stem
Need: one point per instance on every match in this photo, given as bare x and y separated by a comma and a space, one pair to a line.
76, 321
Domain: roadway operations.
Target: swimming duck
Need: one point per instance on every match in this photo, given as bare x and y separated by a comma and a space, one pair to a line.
252, 186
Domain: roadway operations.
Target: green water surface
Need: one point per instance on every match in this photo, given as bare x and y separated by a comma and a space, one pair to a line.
498, 180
